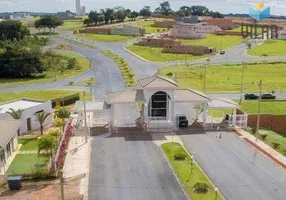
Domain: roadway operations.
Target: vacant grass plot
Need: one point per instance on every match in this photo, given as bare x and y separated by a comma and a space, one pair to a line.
49, 75
72, 25
155, 54
227, 78
105, 37
216, 41
37, 94
269, 48
267, 107
148, 27
189, 174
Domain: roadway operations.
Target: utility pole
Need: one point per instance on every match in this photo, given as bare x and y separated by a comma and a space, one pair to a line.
85, 122
186, 53
258, 113
205, 78
62, 181
241, 84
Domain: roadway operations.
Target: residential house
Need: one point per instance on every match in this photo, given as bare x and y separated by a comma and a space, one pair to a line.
164, 24
65, 15
155, 40
8, 139
29, 107
223, 23
188, 20
127, 30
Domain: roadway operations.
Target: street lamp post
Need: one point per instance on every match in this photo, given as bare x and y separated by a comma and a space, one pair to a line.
216, 190
258, 113
85, 122
192, 163
241, 84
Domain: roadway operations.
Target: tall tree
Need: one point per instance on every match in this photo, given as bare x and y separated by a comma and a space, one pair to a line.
10, 30
62, 113
94, 17
109, 15
16, 114
49, 21
41, 118
133, 15
145, 12
164, 9
120, 13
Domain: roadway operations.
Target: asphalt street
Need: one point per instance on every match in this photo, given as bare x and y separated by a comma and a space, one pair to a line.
238, 170
129, 166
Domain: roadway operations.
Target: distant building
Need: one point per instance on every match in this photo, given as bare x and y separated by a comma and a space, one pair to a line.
164, 24
80, 10
188, 20
155, 40
127, 30
20, 16
65, 15
282, 34
194, 31
223, 23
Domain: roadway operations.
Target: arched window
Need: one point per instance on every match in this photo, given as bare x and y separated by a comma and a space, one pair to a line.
159, 105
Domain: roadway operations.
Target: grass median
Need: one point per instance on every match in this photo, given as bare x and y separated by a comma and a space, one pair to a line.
227, 78
126, 71
189, 173
155, 54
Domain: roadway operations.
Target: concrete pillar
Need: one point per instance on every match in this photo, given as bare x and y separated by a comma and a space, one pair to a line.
242, 33
234, 117
197, 112
204, 115
112, 115
267, 34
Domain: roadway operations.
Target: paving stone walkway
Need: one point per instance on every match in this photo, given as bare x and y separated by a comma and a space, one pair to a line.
31, 152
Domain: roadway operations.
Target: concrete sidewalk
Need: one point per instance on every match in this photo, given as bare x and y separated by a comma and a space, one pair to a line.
267, 150
77, 158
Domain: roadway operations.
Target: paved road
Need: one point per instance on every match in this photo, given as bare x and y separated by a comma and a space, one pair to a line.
238, 170
130, 166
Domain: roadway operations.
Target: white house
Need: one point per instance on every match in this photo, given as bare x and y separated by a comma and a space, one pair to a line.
8, 139
282, 34
30, 107
199, 30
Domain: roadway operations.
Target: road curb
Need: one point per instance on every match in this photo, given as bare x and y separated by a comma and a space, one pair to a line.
275, 160
143, 59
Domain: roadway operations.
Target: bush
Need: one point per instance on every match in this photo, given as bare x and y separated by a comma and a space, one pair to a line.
276, 145
55, 133
263, 136
201, 188
169, 74
179, 156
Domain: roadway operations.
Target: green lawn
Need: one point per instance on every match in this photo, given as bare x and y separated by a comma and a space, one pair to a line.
183, 170
149, 28
155, 54
37, 94
105, 37
49, 75
72, 25
267, 107
28, 143
27, 163
227, 78
269, 48
216, 41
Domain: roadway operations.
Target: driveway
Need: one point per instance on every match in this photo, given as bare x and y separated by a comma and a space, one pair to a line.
237, 169
129, 166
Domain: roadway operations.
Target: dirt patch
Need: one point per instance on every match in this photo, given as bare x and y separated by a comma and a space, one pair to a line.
44, 192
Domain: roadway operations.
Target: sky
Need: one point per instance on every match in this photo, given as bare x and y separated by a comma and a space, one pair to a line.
278, 7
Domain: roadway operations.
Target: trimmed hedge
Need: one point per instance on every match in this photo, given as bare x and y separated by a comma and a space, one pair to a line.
67, 100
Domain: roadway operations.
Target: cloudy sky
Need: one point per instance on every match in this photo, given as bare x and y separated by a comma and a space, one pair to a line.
278, 7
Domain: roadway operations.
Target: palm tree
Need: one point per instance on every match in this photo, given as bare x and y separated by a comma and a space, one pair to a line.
16, 114
41, 117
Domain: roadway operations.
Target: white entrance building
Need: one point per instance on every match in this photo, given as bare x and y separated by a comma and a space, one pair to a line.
154, 103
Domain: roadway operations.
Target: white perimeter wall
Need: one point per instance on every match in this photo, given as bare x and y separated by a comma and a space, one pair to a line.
30, 113
126, 114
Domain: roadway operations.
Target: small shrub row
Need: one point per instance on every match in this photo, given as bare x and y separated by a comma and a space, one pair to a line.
201, 188
179, 156
41, 173
123, 66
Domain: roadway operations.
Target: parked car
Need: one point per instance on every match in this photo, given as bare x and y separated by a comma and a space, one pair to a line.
268, 96
222, 52
250, 97
182, 121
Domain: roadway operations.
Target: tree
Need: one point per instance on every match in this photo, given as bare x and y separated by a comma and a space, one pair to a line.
16, 114
49, 21
88, 22
62, 113
120, 13
145, 12
108, 14
133, 15
185, 11
93, 18
72, 63
41, 118
47, 143
164, 9
60, 123
17, 61
10, 30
